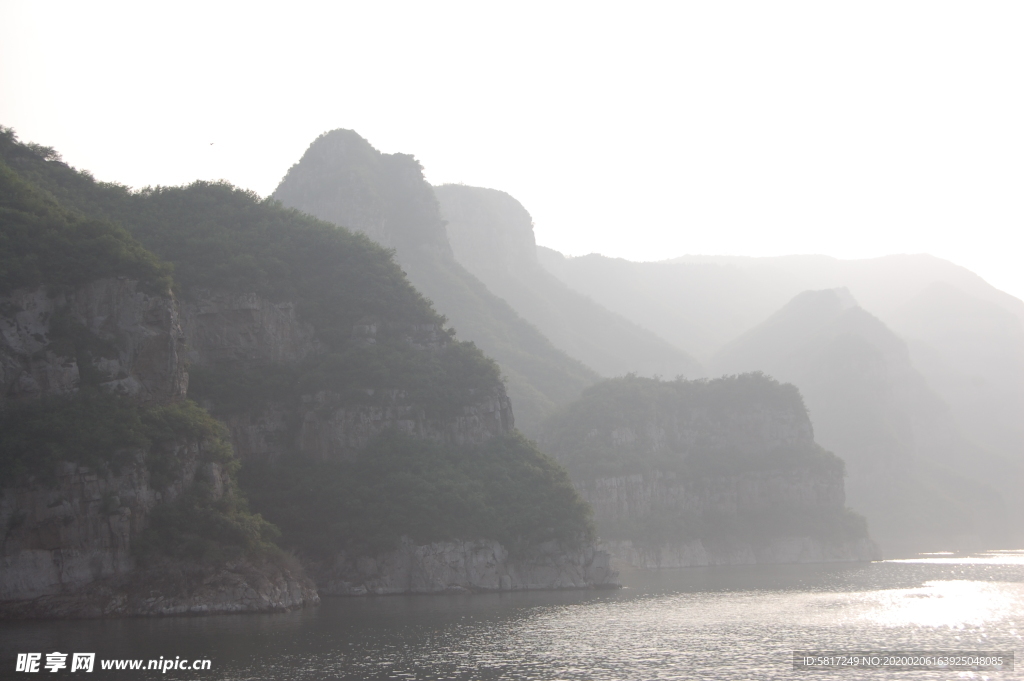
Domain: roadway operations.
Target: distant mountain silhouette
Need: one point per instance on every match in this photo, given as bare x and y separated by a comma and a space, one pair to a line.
491, 234
911, 471
972, 351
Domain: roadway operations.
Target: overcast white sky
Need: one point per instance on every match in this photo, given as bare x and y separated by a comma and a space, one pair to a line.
644, 131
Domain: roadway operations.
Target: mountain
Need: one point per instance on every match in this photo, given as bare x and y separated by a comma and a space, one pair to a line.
491, 235
971, 349
344, 180
965, 337
194, 379
912, 472
724, 471
696, 307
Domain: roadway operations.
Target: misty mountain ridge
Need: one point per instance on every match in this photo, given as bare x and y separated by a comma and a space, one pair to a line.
491, 235
912, 471
972, 351
963, 335
699, 303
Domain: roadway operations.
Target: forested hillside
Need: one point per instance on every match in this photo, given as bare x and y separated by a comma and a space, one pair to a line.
329, 370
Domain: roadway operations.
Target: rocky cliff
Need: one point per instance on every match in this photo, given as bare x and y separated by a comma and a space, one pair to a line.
623, 504
68, 552
107, 332
251, 333
706, 472
459, 566
325, 426
67, 546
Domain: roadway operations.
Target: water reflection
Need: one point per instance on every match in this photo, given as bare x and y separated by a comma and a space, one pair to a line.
709, 623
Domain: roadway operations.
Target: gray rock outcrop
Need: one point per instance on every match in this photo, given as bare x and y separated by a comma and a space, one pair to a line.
130, 341
177, 588
455, 566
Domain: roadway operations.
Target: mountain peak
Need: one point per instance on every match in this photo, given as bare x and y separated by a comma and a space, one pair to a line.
343, 179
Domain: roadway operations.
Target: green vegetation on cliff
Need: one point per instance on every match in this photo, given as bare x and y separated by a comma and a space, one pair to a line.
42, 243
108, 433
633, 425
504, 489
103, 431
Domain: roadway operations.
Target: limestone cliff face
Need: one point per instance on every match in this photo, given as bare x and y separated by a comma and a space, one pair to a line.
465, 566
177, 588
706, 472
66, 548
223, 328
802, 489
61, 538
331, 428
327, 426
119, 336
776, 550
618, 501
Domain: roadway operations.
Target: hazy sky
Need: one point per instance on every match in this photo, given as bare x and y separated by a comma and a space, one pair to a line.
644, 131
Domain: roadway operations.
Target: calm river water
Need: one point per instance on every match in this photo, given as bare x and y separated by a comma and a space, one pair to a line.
695, 623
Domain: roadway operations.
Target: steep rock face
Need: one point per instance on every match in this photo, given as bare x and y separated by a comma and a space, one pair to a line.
120, 337
489, 230
774, 550
757, 429
178, 588
465, 566
67, 547
67, 551
330, 427
618, 501
706, 472
623, 497
644, 424
61, 538
232, 327
327, 425
224, 328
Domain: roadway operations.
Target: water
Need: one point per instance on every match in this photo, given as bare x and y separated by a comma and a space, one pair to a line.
695, 623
